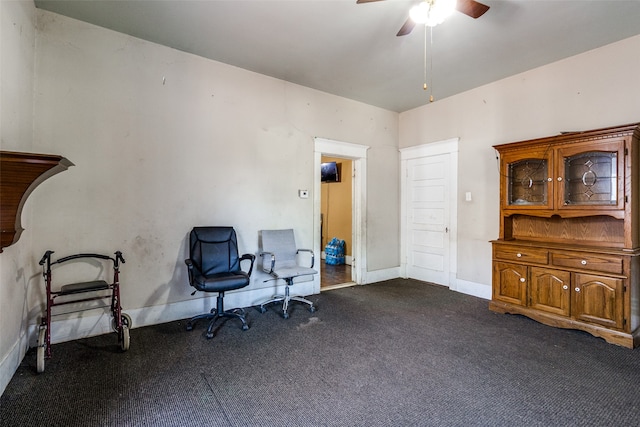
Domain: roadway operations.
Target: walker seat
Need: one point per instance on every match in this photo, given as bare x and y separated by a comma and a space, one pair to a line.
76, 288
83, 292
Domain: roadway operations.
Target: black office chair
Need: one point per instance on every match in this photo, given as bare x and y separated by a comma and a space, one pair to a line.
214, 266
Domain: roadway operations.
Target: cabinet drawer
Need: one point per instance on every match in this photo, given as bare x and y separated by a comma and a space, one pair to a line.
514, 253
604, 263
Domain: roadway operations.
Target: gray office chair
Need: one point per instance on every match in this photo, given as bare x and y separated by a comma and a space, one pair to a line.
280, 259
214, 266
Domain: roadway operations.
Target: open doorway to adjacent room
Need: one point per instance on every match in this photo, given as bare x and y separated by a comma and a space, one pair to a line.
339, 211
336, 217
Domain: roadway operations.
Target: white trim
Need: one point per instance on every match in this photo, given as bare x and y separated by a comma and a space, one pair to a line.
432, 149
97, 322
357, 153
9, 365
382, 275
448, 146
479, 290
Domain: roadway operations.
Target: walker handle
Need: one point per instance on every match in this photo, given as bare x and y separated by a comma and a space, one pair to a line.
119, 257
45, 257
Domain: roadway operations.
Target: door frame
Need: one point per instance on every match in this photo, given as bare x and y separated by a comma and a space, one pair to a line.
448, 146
358, 155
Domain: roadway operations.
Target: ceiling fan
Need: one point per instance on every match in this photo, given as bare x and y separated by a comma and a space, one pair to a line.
470, 8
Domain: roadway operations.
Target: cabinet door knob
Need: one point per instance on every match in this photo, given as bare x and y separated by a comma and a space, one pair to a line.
519, 255
522, 279
565, 287
559, 178
549, 179
577, 289
583, 262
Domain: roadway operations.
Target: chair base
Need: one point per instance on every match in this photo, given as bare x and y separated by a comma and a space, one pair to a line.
217, 313
286, 299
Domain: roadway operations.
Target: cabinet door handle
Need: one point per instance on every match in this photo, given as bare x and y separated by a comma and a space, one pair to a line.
577, 289
519, 255
583, 262
549, 179
522, 279
559, 178
565, 287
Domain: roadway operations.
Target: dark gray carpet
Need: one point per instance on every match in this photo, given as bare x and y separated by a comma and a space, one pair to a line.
400, 352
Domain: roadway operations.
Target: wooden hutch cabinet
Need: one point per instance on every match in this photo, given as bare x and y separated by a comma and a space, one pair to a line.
568, 253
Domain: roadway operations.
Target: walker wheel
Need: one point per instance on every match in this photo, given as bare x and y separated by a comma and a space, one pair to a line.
285, 315
125, 319
262, 309
124, 338
245, 327
42, 332
312, 309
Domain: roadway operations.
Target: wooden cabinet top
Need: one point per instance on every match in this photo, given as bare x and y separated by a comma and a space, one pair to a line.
20, 174
573, 137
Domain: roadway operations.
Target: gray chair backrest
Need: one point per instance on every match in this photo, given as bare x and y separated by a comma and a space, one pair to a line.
282, 244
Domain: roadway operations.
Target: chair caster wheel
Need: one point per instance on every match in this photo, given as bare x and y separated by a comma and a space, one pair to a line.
189, 326
285, 315
245, 327
262, 310
312, 309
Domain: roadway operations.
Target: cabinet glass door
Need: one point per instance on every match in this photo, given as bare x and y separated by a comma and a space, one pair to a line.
592, 178
527, 182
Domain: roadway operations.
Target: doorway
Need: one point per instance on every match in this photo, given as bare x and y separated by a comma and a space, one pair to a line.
336, 220
356, 155
429, 212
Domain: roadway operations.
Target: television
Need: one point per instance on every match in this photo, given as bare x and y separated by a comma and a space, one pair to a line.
330, 172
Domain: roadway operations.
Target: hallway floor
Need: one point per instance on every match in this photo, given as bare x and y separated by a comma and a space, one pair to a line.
332, 275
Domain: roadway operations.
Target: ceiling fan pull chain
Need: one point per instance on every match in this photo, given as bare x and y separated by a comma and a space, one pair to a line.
430, 65
425, 59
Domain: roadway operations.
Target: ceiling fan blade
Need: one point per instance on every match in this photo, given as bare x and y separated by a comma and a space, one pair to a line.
471, 8
366, 1
407, 27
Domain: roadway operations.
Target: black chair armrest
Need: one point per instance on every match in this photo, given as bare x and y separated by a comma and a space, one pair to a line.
272, 261
189, 269
248, 257
312, 255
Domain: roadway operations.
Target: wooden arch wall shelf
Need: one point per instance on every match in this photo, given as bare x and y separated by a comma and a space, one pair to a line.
20, 174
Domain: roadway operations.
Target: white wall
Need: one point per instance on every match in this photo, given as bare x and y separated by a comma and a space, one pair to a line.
17, 41
596, 89
163, 141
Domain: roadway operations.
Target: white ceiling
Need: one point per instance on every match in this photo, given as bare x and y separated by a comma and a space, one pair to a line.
351, 50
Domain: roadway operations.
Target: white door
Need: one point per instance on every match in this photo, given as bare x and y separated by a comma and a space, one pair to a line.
427, 209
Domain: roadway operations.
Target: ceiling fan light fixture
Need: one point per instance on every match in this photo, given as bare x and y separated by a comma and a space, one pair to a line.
432, 12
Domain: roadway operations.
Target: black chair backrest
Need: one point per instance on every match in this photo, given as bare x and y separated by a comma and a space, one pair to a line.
214, 250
